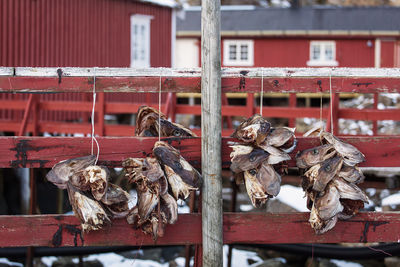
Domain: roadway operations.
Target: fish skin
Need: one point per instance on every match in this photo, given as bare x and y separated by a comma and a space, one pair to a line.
254, 189
169, 208
179, 188
90, 212
262, 183
169, 156
329, 168
70, 169
147, 201
320, 226
351, 174
279, 136
245, 158
98, 177
329, 204
350, 154
151, 122
254, 129
276, 155
349, 190
269, 179
312, 156
115, 195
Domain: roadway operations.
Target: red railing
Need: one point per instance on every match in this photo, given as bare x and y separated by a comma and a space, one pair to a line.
35, 152
76, 108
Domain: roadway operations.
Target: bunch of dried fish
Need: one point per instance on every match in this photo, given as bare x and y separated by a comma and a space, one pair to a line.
329, 181
264, 146
151, 122
157, 205
93, 198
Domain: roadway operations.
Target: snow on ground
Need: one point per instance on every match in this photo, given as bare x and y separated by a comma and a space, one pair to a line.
9, 263
342, 263
391, 200
292, 196
240, 257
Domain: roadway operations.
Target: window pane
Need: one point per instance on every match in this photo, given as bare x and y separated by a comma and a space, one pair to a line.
232, 52
329, 52
316, 52
243, 52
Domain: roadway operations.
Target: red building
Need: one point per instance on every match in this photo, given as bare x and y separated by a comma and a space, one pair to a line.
86, 33
83, 33
299, 37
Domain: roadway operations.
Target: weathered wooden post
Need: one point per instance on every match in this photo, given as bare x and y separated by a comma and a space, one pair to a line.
211, 132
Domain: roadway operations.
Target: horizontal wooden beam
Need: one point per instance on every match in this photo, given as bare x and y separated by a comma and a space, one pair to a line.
308, 80
42, 152
239, 228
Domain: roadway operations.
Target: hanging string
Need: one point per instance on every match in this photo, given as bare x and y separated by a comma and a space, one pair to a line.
262, 91
331, 98
159, 110
92, 118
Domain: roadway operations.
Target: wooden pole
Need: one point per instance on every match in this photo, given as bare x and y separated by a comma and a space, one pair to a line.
211, 132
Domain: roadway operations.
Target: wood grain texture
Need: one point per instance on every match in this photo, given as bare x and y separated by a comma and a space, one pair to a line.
212, 222
310, 80
239, 228
35, 152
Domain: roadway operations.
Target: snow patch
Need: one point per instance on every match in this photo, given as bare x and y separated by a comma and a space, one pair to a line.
342, 263
240, 257
293, 196
10, 263
391, 200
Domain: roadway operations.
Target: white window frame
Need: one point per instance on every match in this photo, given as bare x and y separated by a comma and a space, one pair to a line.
238, 61
322, 61
141, 20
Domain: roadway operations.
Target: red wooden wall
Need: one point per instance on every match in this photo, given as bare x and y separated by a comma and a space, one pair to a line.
82, 33
295, 52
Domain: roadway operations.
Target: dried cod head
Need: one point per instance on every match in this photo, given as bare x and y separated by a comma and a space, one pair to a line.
69, 170
98, 177
254, 130
245, 158
351, 155
329, 168
90, 212
176, 168
312, 156
150, 122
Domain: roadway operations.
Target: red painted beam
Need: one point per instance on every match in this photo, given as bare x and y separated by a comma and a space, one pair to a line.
261, 228
192, 84
46, 151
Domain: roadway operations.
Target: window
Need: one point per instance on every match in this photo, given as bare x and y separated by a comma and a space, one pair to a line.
140, 41
322, 53
238, 53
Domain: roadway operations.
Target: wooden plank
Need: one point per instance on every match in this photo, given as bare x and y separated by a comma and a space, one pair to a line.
212, 220
196, 72
289, 80
239, 228
46, 151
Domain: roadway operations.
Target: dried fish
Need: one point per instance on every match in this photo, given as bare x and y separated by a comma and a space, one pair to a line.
351, 174
90, 212
151, 122
315, 155
275, 155
330, 181
169, 209
98, 177
253, 130
245, 158
69, 170
329, 168
177, 169
351, 155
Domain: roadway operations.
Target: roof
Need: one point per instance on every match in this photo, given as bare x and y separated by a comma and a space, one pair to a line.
305, 20
166, 3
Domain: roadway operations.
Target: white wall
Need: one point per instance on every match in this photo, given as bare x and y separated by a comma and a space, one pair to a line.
186, 53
